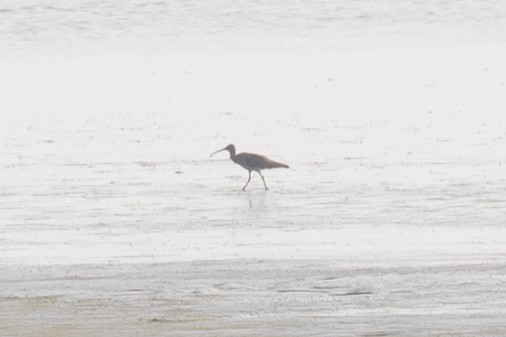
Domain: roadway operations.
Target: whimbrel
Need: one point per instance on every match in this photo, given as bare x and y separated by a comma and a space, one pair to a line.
251, 162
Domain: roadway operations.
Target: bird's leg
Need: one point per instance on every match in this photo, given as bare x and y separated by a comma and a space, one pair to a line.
265, 185
249, 178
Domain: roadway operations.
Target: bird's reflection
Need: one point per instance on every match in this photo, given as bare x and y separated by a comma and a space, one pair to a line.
257, 201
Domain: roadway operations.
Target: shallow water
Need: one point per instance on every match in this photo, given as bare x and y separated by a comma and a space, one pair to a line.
258, 25
115, 168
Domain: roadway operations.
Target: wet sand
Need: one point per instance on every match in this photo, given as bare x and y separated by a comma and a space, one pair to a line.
253, 298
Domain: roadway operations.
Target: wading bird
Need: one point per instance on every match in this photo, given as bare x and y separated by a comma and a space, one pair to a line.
251, 162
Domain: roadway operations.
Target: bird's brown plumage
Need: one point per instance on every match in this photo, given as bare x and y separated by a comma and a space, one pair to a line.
255, 162
252, 162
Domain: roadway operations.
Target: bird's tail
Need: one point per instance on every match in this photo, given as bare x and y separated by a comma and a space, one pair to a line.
275, 164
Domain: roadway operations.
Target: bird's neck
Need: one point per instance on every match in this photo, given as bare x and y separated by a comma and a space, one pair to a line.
232, 153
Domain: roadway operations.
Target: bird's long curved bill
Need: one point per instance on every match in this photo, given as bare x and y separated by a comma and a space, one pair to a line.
217, 152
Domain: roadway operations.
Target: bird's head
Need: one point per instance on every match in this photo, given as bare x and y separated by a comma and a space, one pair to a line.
230, 148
